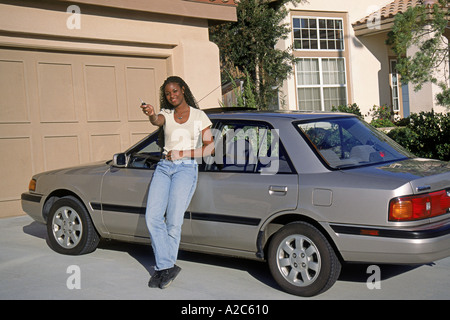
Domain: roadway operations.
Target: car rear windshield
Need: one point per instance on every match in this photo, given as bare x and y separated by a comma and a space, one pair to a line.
350, 142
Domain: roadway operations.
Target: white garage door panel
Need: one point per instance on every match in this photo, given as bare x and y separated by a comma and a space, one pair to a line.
17, 159
56, 92
13, 104
101, 93
64, 109
145, 86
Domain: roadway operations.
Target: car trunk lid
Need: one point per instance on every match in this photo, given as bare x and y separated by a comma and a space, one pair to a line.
425, 175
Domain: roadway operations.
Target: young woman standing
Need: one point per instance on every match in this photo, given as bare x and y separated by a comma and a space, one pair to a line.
187, 136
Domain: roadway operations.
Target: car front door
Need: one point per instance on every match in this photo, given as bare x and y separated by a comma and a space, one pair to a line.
125, 191
249, 179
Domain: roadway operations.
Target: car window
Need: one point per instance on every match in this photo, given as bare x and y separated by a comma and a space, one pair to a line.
146, 153
151, 148
248, 148
349, 142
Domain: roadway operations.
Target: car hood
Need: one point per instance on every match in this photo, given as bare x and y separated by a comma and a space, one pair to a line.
424, 175
94, 167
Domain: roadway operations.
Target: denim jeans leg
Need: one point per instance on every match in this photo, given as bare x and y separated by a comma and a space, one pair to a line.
184, 182
156, 208
170, 192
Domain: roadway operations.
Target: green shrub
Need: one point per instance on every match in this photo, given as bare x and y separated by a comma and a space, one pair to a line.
426, 135
382, 116
350, 108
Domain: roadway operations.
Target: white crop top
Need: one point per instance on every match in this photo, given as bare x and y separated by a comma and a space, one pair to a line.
185, 136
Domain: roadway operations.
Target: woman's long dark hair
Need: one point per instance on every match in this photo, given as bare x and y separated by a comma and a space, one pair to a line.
188, 96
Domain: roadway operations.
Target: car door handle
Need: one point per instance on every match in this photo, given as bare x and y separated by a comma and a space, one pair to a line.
278, 190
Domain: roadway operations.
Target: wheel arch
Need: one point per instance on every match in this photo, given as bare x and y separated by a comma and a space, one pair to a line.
271, 226
58, 194
74, 235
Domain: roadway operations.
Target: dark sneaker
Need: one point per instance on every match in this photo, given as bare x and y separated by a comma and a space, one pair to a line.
155, 280
168, 275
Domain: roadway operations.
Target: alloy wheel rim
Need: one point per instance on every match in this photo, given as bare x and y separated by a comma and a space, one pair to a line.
298, 260
67, 227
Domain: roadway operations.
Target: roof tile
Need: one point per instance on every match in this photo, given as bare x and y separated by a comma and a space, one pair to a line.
219, 2
393, 8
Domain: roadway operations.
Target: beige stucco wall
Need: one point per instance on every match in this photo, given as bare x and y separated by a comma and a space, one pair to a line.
71, 95
425, 98
146, 34
367, 57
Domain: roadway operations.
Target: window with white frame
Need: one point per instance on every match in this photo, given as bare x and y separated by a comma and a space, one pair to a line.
321, 83
312, 33
395, 87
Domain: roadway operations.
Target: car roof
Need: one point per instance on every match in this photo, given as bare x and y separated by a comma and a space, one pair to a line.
253, 114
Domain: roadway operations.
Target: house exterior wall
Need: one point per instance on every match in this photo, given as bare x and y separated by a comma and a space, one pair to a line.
367, 57
71, 78
424, 99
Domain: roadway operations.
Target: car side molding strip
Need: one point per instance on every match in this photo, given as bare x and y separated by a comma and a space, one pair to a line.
193, 215
399, 234
225, 218
117, 208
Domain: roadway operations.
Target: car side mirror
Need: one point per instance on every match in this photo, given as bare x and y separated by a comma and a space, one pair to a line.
120, 160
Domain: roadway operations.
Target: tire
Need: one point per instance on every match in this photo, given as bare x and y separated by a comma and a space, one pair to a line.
302, 260
69, 228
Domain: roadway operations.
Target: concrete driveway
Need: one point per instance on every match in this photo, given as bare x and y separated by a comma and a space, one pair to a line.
30, 270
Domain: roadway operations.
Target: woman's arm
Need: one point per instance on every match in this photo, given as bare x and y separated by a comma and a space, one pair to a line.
155, 119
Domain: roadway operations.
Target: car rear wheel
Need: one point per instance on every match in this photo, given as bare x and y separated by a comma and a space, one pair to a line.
70, 229
302, 260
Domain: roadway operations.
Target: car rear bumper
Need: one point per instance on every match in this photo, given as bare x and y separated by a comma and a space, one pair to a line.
31, 205
398, 246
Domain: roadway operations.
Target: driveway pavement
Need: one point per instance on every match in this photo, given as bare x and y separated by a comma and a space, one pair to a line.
30, 270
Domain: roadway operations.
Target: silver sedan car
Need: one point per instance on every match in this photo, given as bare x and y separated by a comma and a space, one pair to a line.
305, 192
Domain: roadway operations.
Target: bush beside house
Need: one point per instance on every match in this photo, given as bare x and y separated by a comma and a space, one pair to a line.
426, 134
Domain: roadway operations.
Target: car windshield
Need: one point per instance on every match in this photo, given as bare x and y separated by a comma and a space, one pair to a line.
349, 142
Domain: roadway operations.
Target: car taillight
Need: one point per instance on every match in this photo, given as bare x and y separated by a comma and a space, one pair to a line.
419, 207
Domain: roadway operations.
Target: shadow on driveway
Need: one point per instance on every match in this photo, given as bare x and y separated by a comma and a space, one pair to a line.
357, 273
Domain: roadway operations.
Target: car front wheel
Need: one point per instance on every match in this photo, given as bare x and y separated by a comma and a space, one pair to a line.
302, 261
70, 229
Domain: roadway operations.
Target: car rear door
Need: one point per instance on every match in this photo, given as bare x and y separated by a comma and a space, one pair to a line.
250, 179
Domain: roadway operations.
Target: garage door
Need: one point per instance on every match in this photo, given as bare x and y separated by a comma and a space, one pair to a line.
62, 109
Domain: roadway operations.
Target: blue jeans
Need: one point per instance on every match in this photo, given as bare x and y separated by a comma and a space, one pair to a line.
170, 192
